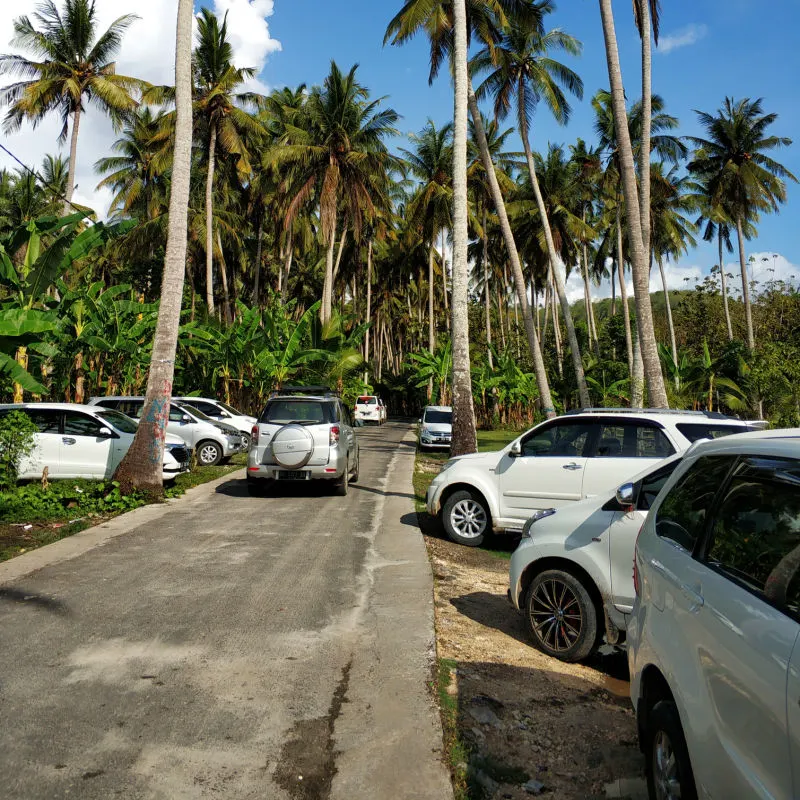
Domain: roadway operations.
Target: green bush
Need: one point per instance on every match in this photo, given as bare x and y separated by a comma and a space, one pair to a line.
17, 441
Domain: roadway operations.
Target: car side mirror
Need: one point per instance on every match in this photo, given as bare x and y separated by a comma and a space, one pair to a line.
516, 450
186, 418
626, 496
106, 433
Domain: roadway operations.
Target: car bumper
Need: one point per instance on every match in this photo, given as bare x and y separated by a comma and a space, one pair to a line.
332, 471
231, 448
433, 499
429, 441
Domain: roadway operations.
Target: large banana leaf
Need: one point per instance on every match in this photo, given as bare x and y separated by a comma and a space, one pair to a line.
8, 366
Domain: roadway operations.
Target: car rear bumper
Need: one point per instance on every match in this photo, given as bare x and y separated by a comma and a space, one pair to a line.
332, 471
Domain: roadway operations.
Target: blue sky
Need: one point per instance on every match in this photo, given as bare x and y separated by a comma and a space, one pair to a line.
715, 48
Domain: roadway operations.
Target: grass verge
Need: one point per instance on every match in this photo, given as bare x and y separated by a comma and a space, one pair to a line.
33, 517
455, 748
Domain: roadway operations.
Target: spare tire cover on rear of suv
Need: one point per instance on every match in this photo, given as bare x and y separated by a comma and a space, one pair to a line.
292, 446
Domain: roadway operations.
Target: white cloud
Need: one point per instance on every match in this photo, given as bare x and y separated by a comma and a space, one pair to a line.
683, 37
148, 51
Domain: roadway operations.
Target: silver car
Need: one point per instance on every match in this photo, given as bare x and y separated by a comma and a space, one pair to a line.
302, 437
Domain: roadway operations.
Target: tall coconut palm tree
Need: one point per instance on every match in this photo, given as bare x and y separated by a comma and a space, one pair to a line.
216, 97
71, 66
640, 266
430, 162
141, 468
485, 18
335, 151
522, 72
732, 162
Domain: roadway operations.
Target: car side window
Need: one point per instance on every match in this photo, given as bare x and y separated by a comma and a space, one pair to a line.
560, 439
653, 484
176, 414
46, 420
629, 440
755, 534
681, 517
77, 424
131, 408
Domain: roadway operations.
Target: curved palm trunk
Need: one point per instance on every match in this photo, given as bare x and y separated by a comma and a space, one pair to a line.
647, 113
748, 311
73, 159
141, 468
519, 279
724, 288
212, 143
623, 294
656, 390
558, 278
465, 438
486, 295
672, 339
287, 268
327, 287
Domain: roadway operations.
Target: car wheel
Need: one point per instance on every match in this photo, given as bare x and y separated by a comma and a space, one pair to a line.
343, 484
466, 518
209, 454
354, 476
245, 441
561, 616
669, 771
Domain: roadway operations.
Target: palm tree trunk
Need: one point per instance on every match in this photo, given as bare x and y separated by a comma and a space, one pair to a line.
369, 308
654, 377
257, 270
73, 159
431, 326
724, 288
327, 287
141, 468
464, 434
623, 294
557, 330
572, 338
444, 282
748, 311
224, 273
287, 268
672, 339
339, 253
546, 310
212, 143
519, 279
592, 322
486, 294
647, 114
637, 377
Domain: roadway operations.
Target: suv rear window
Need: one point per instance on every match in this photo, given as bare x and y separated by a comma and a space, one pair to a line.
304, 412
367, 401
694, 431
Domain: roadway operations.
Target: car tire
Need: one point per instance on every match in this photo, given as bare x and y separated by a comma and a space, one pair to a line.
561, 616
343, 484
466, 518
209, 454
354, 476
669, 770
245, 441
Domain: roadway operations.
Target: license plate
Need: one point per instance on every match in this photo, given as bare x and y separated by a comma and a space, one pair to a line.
293, 475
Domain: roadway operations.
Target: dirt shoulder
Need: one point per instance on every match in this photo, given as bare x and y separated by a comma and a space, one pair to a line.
525, 724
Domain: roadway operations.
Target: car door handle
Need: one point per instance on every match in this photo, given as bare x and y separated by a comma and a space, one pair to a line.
67, 440
573, 465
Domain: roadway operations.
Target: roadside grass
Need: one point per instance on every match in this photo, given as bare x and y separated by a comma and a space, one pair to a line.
428, 464
31, 516
456, 749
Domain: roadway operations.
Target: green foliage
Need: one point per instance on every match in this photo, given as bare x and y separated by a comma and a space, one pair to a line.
17, 440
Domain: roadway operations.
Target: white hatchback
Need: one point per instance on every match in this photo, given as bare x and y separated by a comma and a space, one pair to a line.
562, 461
714, 638
572, 575
77, 441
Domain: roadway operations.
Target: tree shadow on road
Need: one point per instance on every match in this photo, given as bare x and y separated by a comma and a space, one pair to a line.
11, 595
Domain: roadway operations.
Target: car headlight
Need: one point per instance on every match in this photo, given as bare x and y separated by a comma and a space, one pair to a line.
541, 514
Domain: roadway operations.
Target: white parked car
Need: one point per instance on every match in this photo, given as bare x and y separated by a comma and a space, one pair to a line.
222, 412
369, 408
714, 638
572, 575
77, 441
436, 427
560, 462
212, 441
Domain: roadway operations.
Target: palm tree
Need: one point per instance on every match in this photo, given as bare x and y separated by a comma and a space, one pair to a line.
430, 207
741, 178
335, 151
141, 468
216, 83
484, 20
72, 65
640, 266
521, 68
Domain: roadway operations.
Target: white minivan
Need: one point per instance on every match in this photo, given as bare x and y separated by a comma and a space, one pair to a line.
714, 638
77, 441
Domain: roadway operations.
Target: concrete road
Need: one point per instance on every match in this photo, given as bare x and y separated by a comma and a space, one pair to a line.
229, 646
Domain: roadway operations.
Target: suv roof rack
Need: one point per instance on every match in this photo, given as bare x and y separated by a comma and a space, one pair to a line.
325, 391
625, 410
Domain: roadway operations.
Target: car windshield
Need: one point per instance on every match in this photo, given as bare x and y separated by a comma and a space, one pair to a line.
230, 409
118, 421
302, 412
367, 401
196, 412
435, 417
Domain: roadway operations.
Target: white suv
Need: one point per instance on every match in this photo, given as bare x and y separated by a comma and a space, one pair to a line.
562, 461
714, 639
369, 408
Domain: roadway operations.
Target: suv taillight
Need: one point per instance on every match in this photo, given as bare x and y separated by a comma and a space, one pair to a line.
334, 434
254, 435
